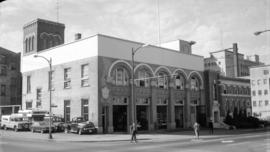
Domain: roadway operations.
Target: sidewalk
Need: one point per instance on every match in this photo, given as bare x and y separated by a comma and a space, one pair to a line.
160, 136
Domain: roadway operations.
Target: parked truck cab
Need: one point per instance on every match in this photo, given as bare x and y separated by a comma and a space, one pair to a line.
14, 121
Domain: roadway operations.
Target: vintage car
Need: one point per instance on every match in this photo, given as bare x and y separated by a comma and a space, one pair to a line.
57, 123
41, 126
14, 121
79, 125
83, 127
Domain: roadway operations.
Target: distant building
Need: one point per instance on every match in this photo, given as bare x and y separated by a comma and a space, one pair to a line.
230, 63
226, 96
92, 78
42, 34
260, 91
10, 82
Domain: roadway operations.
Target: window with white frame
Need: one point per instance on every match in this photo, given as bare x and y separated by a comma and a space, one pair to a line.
121, 76
85, 75
85, 109
67, 78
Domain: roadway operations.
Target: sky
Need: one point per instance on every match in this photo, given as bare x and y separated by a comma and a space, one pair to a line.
213, 24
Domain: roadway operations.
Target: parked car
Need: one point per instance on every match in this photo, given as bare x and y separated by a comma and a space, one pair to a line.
57, 123
14, 121
83, 127
41, 126
74, 120
79, 125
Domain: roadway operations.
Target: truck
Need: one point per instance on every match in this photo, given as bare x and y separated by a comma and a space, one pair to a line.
15, 122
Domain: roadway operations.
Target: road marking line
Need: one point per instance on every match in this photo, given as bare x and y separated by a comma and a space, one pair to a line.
227, 141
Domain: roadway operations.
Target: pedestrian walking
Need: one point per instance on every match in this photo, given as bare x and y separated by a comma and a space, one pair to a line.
196, 128
211, 127
133, 131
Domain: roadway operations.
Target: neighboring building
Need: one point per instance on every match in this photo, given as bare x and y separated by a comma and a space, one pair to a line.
230, 63
42, 34
226, 96
260, 91
10, 82
92, 78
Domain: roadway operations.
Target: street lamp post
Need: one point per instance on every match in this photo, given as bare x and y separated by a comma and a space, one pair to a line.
260, 32
132, 86
50, 91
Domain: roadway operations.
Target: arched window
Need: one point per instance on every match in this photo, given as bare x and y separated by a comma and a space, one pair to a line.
180, 82
29, 44
26, 45
121, 76
162, 80
143, 77
194, 84
32, 41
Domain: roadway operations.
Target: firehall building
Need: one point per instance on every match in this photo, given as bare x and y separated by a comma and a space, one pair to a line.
92, 78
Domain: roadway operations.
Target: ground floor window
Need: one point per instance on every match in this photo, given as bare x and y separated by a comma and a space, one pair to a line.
161, 117
120, 118
85, 109
179, 116
142, 117
67, 110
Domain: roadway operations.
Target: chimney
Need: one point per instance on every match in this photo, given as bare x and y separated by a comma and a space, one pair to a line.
235, 60
257, 59
78, 36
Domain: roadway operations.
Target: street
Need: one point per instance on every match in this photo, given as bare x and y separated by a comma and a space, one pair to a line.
250, 142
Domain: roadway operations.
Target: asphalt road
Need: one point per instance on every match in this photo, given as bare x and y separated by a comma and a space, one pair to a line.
255, 142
